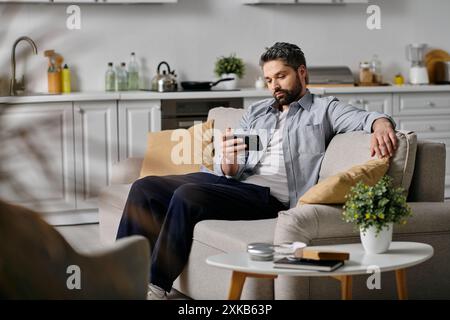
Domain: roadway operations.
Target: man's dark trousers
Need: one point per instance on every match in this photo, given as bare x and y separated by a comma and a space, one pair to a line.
166, 209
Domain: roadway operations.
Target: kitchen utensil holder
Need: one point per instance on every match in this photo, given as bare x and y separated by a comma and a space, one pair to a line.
54, 82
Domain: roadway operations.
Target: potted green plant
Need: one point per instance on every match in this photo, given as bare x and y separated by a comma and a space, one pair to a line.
374, 210
230, 67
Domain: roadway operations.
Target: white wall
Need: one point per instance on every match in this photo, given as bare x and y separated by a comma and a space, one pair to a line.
192, 33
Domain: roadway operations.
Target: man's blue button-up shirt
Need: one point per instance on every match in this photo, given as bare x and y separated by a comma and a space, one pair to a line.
311, 123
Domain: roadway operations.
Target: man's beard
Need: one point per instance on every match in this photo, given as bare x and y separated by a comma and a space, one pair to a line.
289, 95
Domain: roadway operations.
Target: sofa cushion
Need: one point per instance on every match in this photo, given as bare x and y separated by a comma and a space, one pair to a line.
224, 118
111, 201
178, 151
116, 195
332, 190
357, 144
230, 236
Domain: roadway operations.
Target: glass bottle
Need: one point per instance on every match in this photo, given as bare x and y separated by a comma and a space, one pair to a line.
110, 78
133, 73
122, 78
375, 67
365, 75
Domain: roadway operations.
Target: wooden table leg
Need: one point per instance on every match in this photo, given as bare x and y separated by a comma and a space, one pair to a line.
238, 280
237, 283
346, 286
400, 277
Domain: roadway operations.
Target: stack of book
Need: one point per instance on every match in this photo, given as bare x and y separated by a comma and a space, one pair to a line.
317, 260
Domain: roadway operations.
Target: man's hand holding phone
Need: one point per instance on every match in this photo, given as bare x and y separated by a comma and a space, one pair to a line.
230, 149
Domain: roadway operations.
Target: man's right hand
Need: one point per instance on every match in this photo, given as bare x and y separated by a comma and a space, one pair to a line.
230, 149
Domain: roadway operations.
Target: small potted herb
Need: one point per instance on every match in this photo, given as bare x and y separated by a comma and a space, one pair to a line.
374, 210
230, 67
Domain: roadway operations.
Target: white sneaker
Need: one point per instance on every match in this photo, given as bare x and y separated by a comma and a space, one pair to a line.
156, 293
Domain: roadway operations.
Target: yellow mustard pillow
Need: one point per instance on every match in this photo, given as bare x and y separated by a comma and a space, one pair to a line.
179, 151
332, 190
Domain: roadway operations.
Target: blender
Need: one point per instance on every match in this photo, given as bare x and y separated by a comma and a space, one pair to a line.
417, 72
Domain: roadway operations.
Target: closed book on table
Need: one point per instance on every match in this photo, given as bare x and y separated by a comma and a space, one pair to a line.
307, 264
321, 255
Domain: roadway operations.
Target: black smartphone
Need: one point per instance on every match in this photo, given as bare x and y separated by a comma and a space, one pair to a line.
251, 140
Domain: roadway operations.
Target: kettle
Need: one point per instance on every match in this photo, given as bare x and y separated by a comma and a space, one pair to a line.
165, 81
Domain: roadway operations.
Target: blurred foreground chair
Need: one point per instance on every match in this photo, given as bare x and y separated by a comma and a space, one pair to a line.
36, 262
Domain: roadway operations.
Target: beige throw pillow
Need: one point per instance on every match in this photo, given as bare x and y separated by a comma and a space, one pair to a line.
332, 190
179, 151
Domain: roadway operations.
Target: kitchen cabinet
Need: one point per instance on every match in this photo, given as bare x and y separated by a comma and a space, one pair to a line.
304, 1
416, 103
60, 157
331, 1
139, 1
37, 155
96, 149
114, 1
427, 114
269, 1
90, 1
76, 1
370, 102
136, 119
25, 1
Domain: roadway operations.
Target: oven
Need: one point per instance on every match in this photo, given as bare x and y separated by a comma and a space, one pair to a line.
183, 113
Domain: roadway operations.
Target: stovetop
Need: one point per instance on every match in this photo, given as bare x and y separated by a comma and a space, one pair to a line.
182, 90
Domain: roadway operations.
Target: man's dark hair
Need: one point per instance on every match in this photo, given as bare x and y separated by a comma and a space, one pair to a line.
291, 54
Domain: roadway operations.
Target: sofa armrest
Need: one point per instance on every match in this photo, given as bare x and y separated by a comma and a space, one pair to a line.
307, 223
126, 171
126, 264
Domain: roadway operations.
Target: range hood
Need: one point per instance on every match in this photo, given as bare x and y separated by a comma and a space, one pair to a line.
330, 76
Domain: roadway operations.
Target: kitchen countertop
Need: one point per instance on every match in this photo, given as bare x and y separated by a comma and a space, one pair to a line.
243, 93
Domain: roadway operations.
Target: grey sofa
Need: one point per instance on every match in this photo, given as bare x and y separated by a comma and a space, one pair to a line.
417, 165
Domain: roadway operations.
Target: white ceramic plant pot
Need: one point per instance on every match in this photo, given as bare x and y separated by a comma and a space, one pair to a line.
232, 84
377, 243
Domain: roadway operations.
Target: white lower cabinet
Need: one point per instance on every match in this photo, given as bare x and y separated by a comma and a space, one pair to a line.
427, 114
57, 156
433, 129
136, 119
96, 149
37, 156
369, 102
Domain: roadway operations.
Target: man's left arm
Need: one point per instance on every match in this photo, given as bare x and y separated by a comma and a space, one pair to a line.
345, 117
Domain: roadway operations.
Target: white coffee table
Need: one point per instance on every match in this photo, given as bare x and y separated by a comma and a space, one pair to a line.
400, 256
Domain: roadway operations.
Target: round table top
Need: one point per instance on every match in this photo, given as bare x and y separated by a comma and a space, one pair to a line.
399, 256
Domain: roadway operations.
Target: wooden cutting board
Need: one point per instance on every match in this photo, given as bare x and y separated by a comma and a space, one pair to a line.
431, 58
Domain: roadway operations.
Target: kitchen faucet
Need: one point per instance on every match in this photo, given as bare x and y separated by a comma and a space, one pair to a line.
18, 85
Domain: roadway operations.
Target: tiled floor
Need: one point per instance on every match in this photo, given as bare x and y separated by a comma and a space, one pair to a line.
86, 239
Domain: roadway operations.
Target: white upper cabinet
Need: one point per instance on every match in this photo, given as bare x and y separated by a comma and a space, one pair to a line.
303, 1
331, 1
89, 1
26, 1
268, 1
140, 1
74, 1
